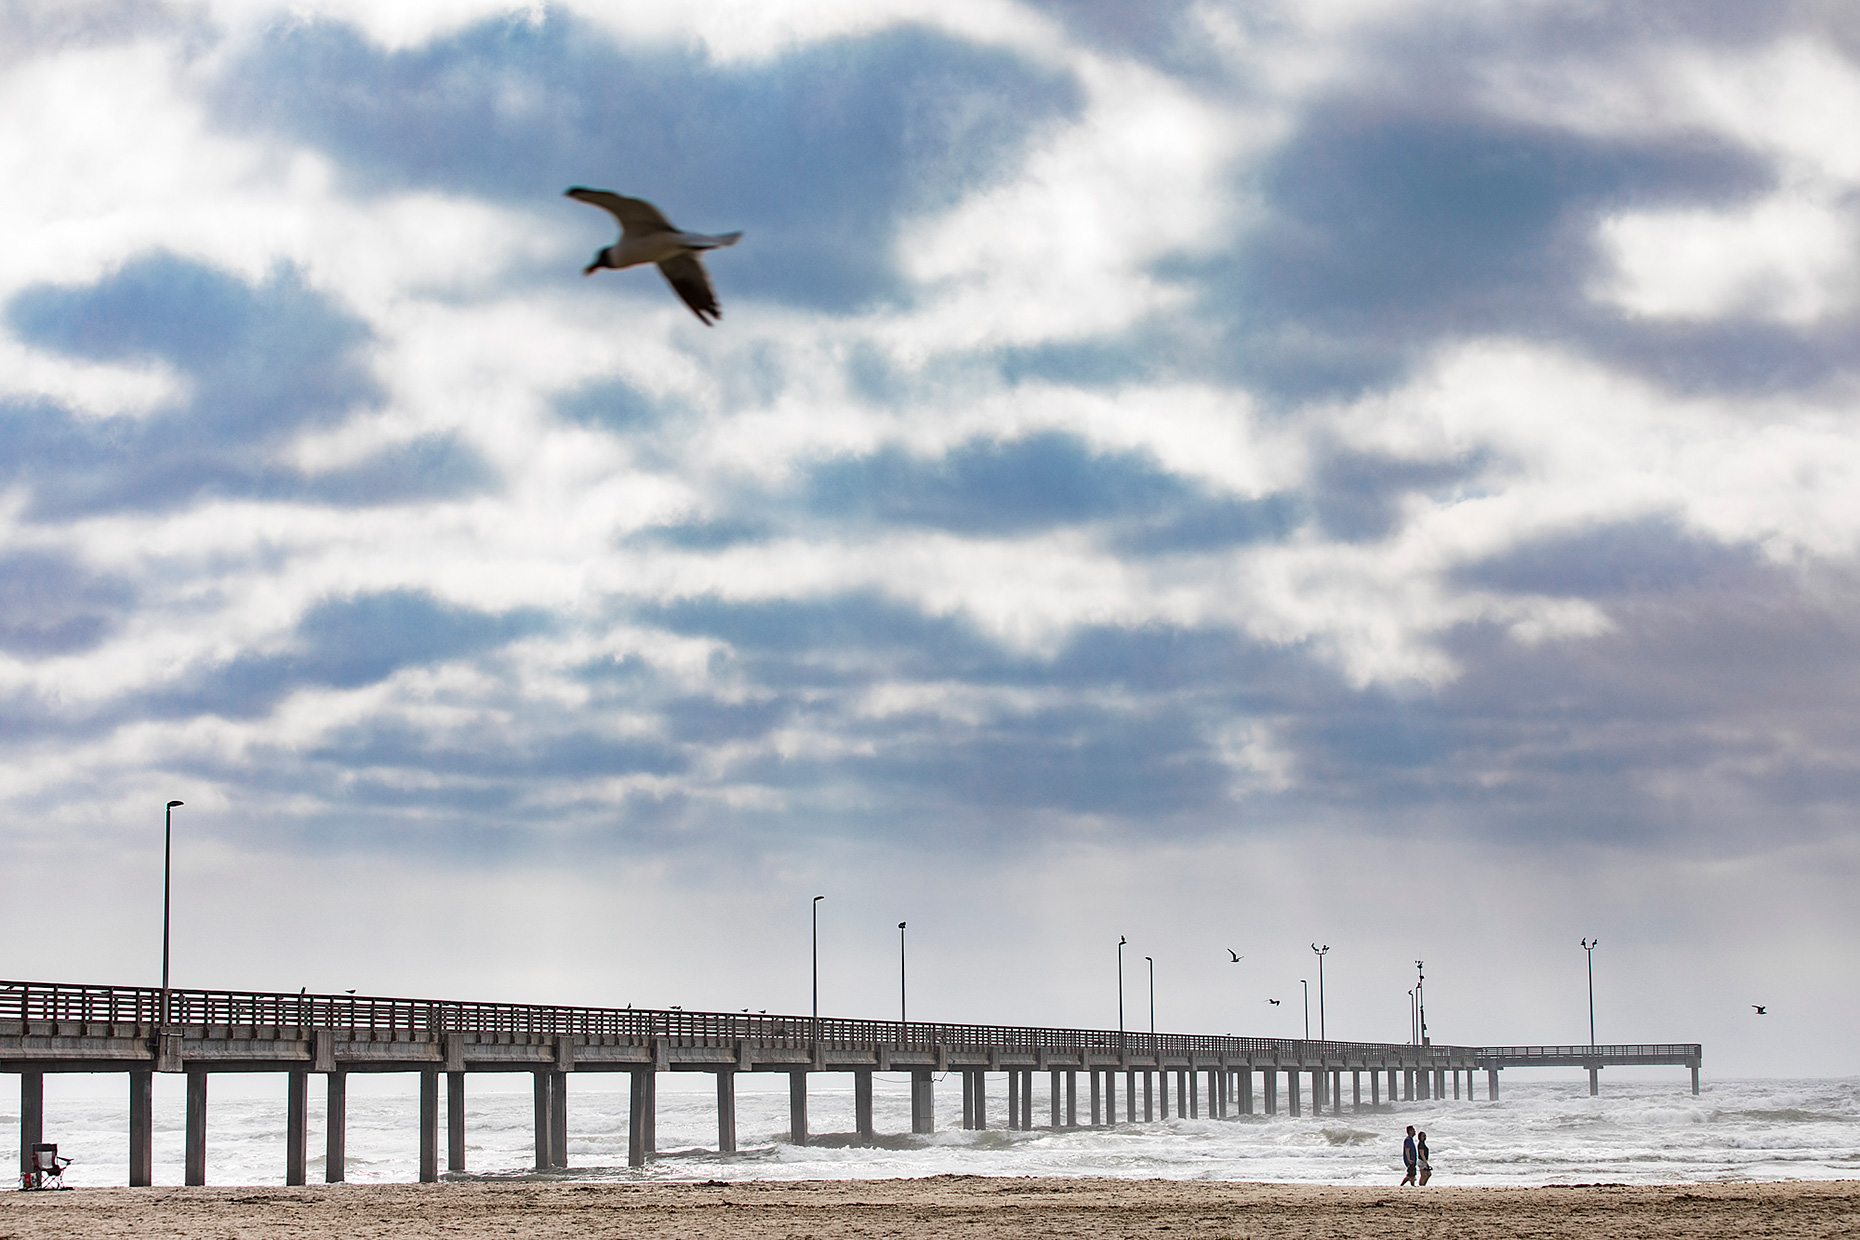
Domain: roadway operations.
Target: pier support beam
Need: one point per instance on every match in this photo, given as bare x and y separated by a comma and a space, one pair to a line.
1130, 1096
1162, 1089
726, 1108
639, 1118
141, 1128
196, 1172
545, 1158
1097, 1107
558, 1120
923, 1102
296, 1127
1149, 1097
1291, 1090
1491, 1084
429, 1126
1246, 1091
862, 1107
336, 1129
1356, 1089
1270, 1079
1695, 1080
1057, 1089
797, 1107
31, 1116
1194, 1093
1072, 1100
1595, 1081
1013, 1083
1375, 1090
1110, 1098
455, 1121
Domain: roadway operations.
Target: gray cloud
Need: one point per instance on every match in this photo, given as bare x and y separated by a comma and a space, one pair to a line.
266, 362
856, 133
50, 605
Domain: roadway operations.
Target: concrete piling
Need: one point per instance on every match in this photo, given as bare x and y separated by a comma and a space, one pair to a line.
1056, 1089
726, 1108
196, 1161
639, 1106
558, 1120
141, 1129
797, 1107
429, 1126
543, 1127
455, 1121
296, 1127
336, 1128
923, 1102
31, 1116
862, 1108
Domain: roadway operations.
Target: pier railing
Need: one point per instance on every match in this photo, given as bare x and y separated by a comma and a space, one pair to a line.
144, 1005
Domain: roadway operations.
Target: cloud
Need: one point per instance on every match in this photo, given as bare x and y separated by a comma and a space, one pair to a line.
264, 363
818, 154
344, 644
51, 606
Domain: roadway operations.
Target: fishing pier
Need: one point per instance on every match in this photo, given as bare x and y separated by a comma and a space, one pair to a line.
1128, 1077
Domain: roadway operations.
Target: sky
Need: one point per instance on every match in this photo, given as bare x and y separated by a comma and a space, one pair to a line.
1233, 476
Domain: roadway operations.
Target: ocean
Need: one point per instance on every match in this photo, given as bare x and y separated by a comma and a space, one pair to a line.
1543, 1131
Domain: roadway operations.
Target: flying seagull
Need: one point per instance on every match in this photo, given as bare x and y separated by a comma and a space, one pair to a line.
1274, 1002
1237, 957
646, 236
1762, 1008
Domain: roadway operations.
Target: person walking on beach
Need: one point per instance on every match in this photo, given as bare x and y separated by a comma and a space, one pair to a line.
1420, 1158
1408, 1156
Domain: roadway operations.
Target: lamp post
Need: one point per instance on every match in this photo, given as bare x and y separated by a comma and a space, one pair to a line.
1152, 961
1589, 946
902, 1010
816, 907
1414, 1024
167, 856
1321, 953
1121, 940
1307, 986
1420, 999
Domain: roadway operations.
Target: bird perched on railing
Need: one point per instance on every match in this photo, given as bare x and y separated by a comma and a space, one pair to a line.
646, 236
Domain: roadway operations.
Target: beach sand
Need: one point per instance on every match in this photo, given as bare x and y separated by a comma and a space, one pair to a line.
940, 1208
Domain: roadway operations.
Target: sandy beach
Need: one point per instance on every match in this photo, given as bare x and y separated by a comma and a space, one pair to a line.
945, 1207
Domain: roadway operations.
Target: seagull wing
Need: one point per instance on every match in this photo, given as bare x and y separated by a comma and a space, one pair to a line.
638, 218
688, 279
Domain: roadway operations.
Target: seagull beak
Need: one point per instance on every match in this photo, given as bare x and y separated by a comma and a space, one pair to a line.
590, 269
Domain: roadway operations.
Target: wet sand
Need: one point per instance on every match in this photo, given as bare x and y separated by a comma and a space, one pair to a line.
941, 1208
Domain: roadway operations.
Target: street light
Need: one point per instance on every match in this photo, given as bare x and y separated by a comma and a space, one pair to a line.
1321, 953
1121, 940
1152, 961
167, 854
1307, 986
1420, 999
816, 908
1589, 946
1414, 1024
901, 1008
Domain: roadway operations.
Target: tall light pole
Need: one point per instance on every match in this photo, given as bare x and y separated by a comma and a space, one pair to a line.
901, 1008
1307, 986
1420, 999
1152, 961
1121, 940
1414, 1022
1589, 946
167, 856
816, 907
1321, 953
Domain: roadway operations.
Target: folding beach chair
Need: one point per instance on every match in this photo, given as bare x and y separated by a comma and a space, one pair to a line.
47, 1170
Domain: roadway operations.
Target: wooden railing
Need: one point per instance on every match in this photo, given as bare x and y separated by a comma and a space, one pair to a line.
143, 1005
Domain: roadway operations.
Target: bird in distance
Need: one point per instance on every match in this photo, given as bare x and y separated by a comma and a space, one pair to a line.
1762, 1008
1237, 957
646, 236
1274, 1002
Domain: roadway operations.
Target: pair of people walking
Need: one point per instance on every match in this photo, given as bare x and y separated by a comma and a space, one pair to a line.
1414, 1157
